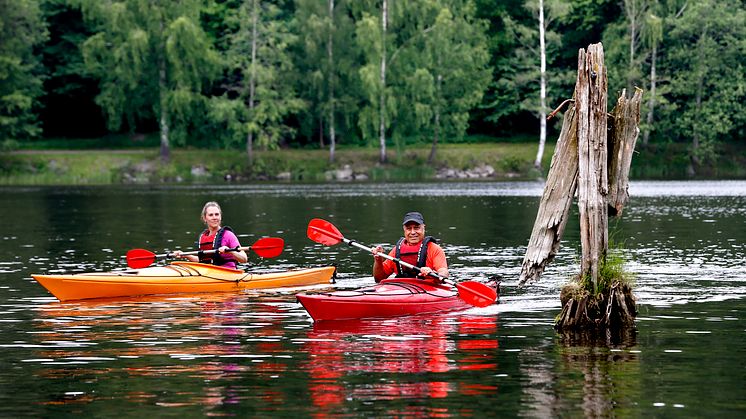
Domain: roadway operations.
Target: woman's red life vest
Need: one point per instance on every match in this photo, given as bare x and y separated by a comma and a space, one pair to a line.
205, 241
414, 255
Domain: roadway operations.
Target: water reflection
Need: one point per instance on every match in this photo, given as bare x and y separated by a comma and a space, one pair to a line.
609, 376
406, 358
257, 354
215, 340
214, 352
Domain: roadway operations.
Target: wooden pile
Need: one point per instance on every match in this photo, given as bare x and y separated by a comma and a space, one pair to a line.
582, 164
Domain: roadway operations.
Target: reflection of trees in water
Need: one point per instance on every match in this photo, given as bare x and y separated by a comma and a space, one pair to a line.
540, 397
610, 372
593, 372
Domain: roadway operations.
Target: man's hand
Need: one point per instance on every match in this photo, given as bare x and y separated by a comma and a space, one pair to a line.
376, 250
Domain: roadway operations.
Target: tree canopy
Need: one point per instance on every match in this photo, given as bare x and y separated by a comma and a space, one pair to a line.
244, 73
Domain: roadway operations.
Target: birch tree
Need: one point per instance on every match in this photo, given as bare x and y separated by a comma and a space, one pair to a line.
456, 59
538, 48
372, 37
152, 60
326, 58
260, 96
652, 36
543, 88
635, 12
424, 76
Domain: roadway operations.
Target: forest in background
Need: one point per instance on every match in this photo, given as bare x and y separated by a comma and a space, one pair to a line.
250, 74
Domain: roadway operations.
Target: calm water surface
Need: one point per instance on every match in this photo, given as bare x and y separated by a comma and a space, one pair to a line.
259, 354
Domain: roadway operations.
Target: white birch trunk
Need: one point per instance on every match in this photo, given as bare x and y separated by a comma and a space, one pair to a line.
252, 80
382, 110
543, 89
330, 55
436, 133
165, 149
162, 87
651, 103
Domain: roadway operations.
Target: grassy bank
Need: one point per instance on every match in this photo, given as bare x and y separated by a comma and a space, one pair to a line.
40, 167
503, 160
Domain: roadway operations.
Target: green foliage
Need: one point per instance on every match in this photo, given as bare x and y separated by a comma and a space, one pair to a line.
324, 82
141, 165
115, 141
671, 161
21, 31
436, 60
611, 270
707, 48
456, 70
152, 60
69, 107
258, 55
513, 164
700, 70
9, 145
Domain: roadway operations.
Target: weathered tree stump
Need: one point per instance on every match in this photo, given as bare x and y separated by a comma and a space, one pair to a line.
625, 128
562, 181
613, 309
590, 93
580, 164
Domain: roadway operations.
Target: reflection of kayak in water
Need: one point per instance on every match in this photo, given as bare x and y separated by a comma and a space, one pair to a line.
393, 297
177, 277
415, 355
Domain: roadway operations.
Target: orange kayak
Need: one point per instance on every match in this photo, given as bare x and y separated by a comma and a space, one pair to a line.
177, 277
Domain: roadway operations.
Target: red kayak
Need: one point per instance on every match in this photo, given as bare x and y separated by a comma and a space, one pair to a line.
394, 297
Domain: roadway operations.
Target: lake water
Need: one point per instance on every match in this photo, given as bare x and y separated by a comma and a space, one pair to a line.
259, 353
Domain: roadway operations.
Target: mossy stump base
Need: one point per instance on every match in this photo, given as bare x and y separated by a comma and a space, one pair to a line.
613, 309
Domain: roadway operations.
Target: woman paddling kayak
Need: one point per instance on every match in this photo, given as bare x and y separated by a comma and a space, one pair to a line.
216, 237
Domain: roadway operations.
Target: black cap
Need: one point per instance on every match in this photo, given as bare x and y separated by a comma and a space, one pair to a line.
414, 217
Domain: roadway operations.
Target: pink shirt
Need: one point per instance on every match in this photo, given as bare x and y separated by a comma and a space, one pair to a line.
230, 240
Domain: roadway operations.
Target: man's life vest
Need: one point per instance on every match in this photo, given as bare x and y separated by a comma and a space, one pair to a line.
204, 243
415, 255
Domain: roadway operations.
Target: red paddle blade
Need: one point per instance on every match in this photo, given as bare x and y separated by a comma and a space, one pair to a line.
324, 232
268, 247
140, 258
476, 293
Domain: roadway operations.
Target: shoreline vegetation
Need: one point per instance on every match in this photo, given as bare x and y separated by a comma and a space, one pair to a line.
505, 160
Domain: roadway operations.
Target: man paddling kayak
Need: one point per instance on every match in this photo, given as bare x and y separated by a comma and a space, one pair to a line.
414, 248
216, 237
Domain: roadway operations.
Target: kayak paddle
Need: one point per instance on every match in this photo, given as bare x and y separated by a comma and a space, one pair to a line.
267, 247
474, 293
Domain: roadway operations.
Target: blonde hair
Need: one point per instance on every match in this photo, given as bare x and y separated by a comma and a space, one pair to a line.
208, 205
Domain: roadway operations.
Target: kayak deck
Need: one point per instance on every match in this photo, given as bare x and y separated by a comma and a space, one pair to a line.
177, 277
394, 297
